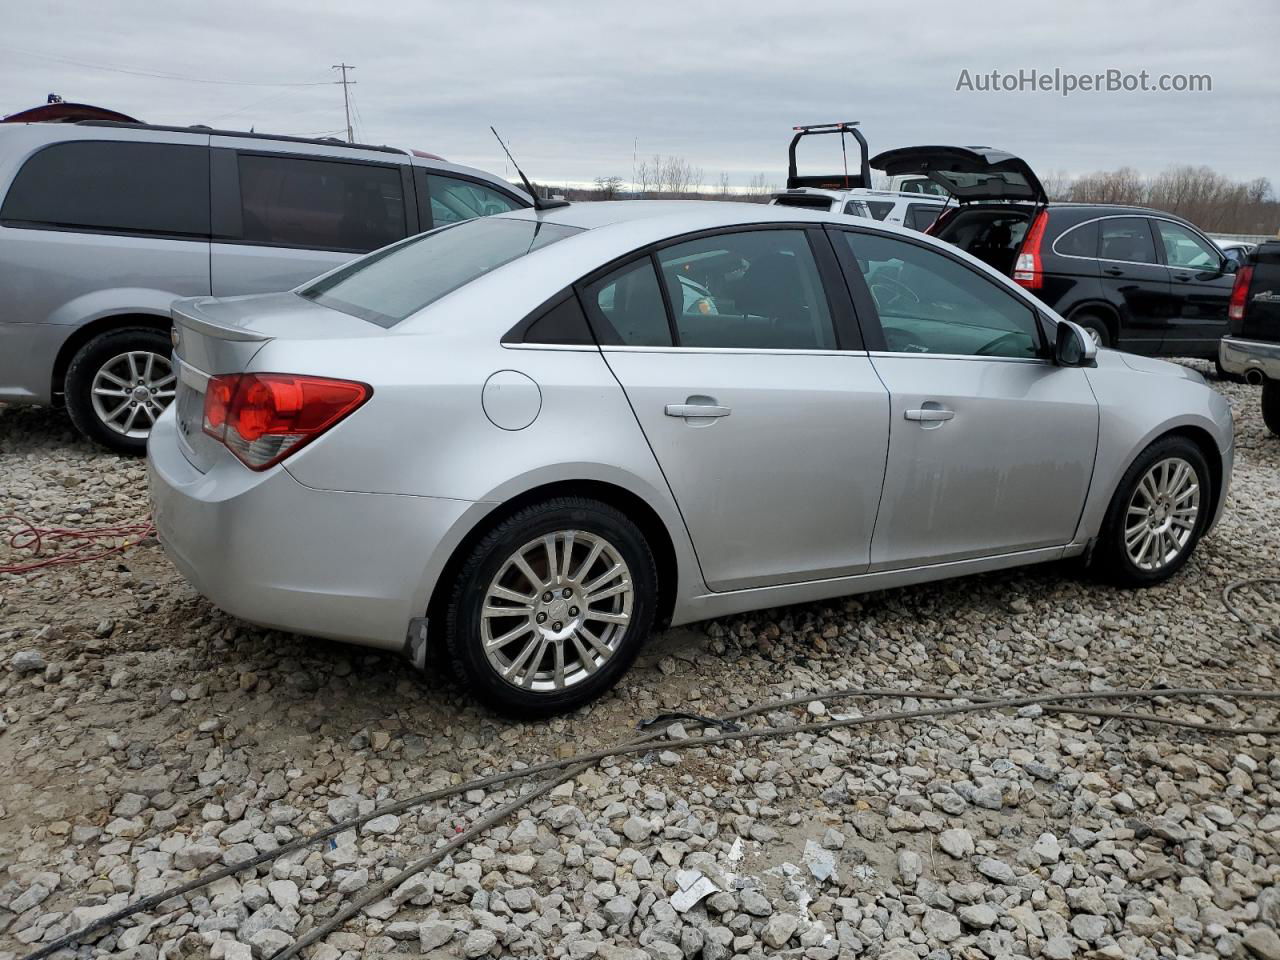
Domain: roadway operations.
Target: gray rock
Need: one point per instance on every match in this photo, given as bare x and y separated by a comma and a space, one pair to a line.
479, 943
27, 661
779, 929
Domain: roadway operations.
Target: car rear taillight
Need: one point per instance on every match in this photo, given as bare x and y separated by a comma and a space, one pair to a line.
264, 417
1240, 293
1026, 270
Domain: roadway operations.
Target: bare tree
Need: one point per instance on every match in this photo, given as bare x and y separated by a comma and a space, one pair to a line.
760, 188
722, 191
608, 187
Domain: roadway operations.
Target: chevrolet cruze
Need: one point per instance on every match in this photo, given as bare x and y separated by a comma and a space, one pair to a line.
535, 436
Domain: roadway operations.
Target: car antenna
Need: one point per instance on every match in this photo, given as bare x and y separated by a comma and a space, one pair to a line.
538, 202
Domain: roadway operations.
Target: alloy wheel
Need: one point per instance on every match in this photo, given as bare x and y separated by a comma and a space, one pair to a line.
1162, 514
131, 390
557, 611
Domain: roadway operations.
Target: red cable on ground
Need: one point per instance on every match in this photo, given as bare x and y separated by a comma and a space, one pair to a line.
84, 544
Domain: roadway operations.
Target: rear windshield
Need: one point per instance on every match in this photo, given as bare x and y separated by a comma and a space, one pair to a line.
391, 284
809, 202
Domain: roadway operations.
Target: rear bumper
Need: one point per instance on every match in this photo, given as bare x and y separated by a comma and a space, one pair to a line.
1242, 356
269, 550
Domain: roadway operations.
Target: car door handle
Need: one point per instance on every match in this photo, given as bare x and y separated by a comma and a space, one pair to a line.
1113, 272
697, 407
930, 415
1184, 277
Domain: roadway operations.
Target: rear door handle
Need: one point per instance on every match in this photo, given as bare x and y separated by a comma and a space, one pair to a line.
1113, 272
697, 406
930, 415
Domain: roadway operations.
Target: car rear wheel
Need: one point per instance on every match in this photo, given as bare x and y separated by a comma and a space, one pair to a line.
117, 386
551, 606
1271, 405
1095, 327
1160, 509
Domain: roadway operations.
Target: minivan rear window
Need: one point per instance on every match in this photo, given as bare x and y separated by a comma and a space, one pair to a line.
104, 186
391, 284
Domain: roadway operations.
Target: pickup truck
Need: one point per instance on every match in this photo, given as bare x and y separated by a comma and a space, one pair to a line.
1252, 347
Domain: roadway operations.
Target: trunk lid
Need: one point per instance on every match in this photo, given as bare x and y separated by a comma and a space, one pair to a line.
215, 336
970, 174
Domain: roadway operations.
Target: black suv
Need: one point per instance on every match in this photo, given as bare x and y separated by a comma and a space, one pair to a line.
1137, 279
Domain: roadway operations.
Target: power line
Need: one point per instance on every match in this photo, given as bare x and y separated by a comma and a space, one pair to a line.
346, 98
158, 76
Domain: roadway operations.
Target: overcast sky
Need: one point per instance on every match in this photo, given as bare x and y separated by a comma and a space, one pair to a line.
574, 85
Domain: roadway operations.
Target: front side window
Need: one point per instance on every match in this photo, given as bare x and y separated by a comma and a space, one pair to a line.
1127, 239
757, 289
114, 187
454, 200
930, 304
320, 204
1183, 248
394, 283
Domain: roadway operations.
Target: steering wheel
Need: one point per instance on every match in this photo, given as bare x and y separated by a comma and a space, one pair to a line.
988, 349
893, 291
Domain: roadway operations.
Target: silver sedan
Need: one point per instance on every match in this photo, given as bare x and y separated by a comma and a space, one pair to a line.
534, 437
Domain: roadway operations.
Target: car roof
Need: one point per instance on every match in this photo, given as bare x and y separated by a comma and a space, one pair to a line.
39, 134
860, 193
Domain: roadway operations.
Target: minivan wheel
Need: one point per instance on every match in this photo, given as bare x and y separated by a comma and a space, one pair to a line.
1156, 516
1271, 405
1095, 327
118, 384
551, 606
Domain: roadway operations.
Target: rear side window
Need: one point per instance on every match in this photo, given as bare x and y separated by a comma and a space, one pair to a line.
320, 204
114, 187
1127, 239
1081, 241
629, 302
756, 289
394, 283
920, 216
880, 208
453, 200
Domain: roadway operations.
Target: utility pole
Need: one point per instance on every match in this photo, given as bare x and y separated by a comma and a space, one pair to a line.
346, 100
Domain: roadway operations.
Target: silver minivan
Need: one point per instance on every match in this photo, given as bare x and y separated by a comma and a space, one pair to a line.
104, 224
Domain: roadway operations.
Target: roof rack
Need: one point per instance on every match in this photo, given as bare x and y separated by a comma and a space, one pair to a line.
835, 181
201, 128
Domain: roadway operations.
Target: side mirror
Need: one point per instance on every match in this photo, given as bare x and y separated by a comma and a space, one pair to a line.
1074, 347
1230, 265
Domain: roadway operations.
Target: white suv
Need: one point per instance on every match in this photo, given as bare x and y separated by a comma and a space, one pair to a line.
914, 210
911, 203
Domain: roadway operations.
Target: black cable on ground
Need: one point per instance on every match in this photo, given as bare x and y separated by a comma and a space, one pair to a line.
1272, 633
976, 703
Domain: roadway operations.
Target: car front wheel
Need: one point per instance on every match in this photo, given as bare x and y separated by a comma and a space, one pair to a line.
1157, 514
551, 606
117, 386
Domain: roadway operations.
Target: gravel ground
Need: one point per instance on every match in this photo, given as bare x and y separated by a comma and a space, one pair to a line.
145, 736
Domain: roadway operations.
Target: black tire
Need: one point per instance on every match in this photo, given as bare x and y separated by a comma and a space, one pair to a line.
488, 558
84, 368
1096, 325
1111, 559
1271, 405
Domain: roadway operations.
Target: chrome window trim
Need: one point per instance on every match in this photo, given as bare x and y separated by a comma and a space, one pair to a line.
769, 351
1127, 216
957, 356
563, 347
